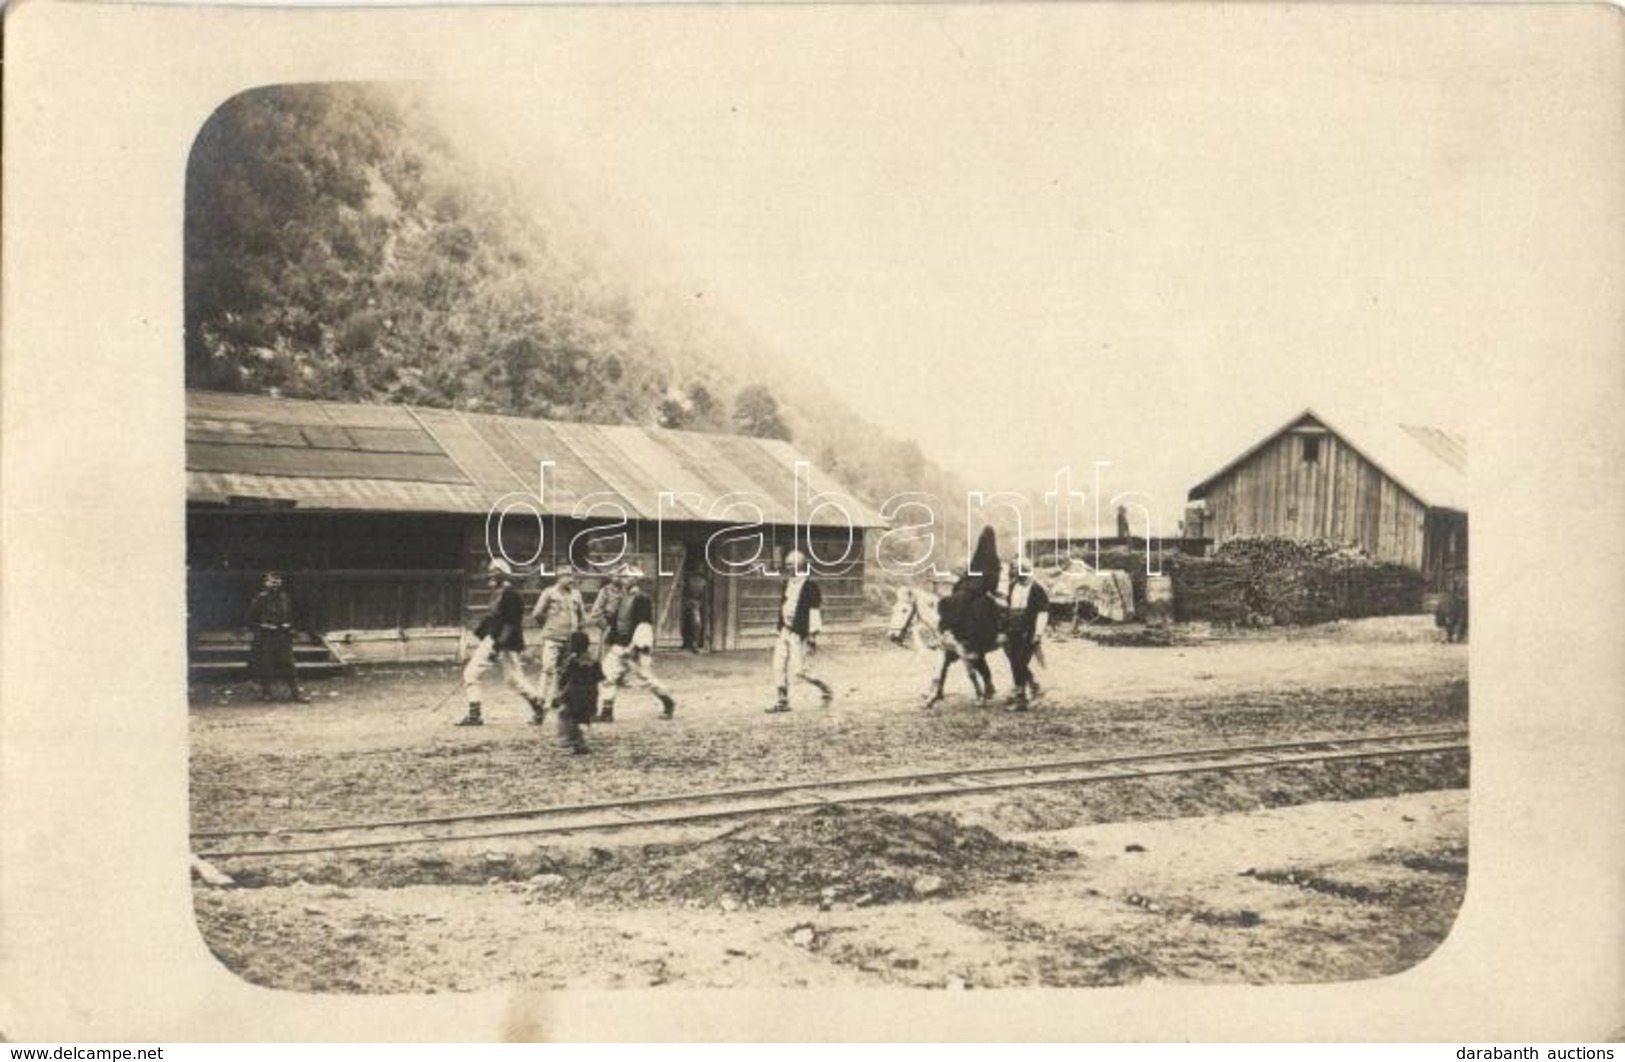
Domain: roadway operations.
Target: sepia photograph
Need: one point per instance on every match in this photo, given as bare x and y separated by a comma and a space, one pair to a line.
471, 478
915, 501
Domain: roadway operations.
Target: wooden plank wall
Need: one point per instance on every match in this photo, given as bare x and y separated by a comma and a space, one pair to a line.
743, 607
1341, 496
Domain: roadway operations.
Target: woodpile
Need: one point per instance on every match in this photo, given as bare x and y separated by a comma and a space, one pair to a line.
1267, 580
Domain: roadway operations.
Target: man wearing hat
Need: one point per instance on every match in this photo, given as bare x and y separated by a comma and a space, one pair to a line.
270, 655
629, 645
1028, 617
560, 613
800, 619
502, 638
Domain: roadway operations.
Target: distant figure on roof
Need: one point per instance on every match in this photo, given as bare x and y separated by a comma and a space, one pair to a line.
270, 656
501, 639
1123, 530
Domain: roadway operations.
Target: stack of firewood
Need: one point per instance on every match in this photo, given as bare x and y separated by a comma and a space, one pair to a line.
1266, 580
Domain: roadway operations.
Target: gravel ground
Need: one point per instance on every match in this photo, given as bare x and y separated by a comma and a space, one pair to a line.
1344, 871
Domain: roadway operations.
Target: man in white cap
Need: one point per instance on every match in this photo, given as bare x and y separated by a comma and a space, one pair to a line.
800, 620
629, 645
501, 639
1024, 632
560, 613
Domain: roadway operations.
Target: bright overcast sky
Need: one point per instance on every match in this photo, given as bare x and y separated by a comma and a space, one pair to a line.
1037, 236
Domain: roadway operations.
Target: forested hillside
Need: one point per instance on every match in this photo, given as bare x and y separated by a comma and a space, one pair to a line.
337, 246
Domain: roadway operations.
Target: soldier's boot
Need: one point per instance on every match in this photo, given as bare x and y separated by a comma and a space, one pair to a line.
606, 713
538, 710
781, 703
1034, 692
1018, 702
825, 691
472, 718
668, 707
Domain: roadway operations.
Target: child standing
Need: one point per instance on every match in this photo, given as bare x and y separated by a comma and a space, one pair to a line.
579, 676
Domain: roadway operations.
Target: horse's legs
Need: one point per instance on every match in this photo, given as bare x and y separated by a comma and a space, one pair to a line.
935, 693
984, 688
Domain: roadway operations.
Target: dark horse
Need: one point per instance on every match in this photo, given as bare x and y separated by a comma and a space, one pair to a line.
971, 621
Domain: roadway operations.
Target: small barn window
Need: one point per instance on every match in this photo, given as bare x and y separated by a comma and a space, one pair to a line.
1311, 449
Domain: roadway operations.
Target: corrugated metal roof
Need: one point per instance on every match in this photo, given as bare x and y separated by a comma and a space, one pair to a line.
328, 455
370, 495
1430, 463
328, 462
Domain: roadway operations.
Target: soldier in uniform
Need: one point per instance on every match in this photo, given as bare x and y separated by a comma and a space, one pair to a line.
501, 639
629, 642
601, 618
800, 620
1028, 614
560, 613
270, 655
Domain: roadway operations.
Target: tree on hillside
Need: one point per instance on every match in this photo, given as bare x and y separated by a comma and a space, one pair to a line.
756, 412
338, 247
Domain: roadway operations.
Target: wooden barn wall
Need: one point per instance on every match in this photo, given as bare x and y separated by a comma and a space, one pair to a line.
387, 571
1341, 497
740, 609
344, 571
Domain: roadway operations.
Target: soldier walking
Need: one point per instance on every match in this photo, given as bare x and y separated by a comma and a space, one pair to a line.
560, 613
501, 639
1028, 616
629, 641
800, 619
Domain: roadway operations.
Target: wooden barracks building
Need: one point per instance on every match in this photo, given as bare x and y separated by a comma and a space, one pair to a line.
1399, 492
379, 516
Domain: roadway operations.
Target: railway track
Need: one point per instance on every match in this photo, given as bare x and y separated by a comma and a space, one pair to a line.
765, 799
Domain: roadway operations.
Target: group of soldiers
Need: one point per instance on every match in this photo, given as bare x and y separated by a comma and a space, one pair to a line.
967, 623
581, 688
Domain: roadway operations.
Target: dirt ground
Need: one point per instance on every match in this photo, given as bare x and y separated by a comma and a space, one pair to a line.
1317, 873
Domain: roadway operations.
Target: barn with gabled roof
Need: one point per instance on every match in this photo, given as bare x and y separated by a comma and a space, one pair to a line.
1398, 492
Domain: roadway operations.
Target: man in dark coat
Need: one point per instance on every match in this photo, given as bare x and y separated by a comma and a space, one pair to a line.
629, 645
801, 617
270, 656
696, 588
1028, 606
501, 638
579, 677
1451, 615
